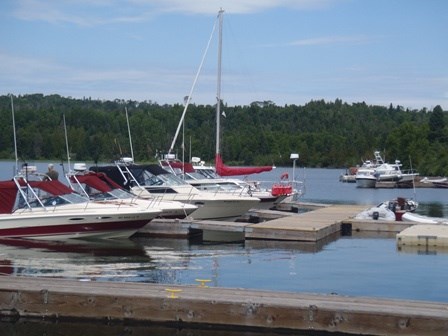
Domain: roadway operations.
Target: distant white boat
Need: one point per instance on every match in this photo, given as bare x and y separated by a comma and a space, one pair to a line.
379, 171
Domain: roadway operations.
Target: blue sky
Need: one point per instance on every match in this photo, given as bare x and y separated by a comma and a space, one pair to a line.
286, 51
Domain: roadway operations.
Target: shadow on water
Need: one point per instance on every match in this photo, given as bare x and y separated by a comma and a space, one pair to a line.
433, 209
97, 328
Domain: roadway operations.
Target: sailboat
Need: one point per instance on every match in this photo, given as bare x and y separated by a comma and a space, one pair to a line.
220, 167
215, 181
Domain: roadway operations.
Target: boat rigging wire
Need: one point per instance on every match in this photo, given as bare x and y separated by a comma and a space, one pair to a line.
187, 103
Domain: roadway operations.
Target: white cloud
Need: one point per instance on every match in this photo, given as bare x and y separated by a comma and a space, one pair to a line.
357, 39
100, 12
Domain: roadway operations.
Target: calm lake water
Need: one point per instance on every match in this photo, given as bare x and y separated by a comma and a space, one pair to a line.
356, 266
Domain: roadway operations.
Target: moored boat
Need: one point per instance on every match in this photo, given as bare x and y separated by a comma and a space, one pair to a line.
100, 188
392, 210
148, 181
51, 210
379, 171
205, 178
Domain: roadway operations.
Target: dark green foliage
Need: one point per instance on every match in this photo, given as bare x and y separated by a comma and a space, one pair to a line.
325, 134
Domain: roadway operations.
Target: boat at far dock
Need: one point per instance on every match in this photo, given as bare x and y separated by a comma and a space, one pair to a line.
373, 173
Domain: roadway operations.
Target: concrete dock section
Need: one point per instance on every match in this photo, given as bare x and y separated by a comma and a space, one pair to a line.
426, 235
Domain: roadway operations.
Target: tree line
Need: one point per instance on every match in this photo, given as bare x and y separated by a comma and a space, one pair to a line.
331, 134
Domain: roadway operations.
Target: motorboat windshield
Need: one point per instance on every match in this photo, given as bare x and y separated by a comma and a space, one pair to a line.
167, 179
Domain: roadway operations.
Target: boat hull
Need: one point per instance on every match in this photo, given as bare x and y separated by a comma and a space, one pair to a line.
363, 182
81, 225
210, 206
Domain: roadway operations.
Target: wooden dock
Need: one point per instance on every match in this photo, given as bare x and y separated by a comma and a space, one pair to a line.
198, 305
313, 225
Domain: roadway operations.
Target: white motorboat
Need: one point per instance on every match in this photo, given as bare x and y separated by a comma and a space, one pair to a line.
365, 175
392, 172
204, 178
393, 210
151, 180
365, 178
51, 210
379, 171
100, 188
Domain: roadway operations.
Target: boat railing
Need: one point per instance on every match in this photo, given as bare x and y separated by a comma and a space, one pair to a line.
24, 196
410, 172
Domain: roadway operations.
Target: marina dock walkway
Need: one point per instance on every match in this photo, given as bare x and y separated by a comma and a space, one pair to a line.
313, 225
240, 309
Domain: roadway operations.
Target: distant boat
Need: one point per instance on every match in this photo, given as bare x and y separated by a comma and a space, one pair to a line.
440, 184
365, 175
380, 171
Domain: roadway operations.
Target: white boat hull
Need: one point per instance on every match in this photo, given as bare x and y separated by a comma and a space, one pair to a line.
365, 182
210, 206
412, 217
74, 223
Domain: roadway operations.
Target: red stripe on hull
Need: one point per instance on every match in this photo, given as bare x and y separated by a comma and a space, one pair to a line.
73, 229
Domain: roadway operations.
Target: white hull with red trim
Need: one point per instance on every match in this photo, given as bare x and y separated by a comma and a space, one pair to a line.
75, 221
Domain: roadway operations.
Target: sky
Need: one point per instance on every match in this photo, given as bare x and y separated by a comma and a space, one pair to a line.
380, 52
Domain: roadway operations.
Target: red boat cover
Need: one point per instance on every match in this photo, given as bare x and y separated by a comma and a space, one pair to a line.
183, 166
98, 181
223, 170
8, 192
92, 181
53, 187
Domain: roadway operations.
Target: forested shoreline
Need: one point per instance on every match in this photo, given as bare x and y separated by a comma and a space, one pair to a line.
325, 134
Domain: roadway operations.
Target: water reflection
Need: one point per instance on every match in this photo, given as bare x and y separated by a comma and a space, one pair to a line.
69, 259
433, 209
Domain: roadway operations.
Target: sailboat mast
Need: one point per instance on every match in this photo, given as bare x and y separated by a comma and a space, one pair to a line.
129, 133
15, 137
218, 87
66, 142
187, 101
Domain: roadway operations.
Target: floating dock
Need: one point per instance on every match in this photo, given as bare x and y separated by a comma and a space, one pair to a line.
319, 223
428, 236
202, 306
